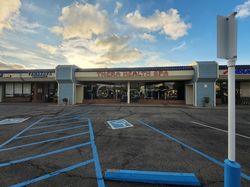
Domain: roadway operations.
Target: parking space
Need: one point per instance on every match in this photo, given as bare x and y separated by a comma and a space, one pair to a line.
75, 146
49, 147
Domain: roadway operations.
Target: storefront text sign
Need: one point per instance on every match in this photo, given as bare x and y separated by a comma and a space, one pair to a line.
239, 72
133, 74
40, 74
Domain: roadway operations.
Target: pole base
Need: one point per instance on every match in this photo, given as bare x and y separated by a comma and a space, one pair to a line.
231, 174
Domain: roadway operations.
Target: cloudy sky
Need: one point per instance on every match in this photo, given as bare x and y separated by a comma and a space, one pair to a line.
115, 33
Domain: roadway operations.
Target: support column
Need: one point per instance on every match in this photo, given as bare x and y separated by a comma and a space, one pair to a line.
34, 99
128, 93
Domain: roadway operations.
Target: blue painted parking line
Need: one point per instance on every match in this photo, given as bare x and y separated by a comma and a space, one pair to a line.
61, 120
98, 169
59, 117
61, 124
58, 172
18, 134
44, 154
69, 113
44, 141
214, 160
49, 132
245, 176
77, 119
74, 113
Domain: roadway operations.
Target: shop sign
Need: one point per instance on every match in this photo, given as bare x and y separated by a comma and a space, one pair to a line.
242, 71
40, 74
239, 72
133, 74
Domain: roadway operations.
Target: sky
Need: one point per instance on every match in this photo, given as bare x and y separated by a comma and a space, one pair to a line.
116, 33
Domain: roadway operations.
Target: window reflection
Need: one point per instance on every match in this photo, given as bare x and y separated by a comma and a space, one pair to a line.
138, 91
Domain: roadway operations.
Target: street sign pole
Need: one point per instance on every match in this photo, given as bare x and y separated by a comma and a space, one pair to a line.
231, 109
227, 49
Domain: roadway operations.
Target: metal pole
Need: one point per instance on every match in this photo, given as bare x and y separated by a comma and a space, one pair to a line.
231, 109
128, 93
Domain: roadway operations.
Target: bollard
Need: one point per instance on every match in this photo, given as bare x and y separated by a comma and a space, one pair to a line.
231, 174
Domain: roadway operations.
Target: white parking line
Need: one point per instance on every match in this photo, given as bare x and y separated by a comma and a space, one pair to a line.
237, 134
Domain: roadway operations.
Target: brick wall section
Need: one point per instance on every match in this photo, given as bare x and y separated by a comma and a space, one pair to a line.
17, 99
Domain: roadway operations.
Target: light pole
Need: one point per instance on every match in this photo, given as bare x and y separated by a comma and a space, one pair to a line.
227, 49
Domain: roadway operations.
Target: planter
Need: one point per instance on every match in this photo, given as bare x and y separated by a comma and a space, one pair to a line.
65, 101
206, 101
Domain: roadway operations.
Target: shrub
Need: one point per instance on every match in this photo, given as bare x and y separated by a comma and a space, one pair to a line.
65, 100
206, 100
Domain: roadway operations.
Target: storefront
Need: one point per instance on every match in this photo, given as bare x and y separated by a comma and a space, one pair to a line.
139, 85
242, 86
140, 92
28, 86
190, 85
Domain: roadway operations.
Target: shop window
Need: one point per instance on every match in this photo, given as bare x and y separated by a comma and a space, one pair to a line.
18, 90
26, 89
9, 89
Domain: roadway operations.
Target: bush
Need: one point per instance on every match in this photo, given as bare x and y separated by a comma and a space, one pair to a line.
206, 100
65, 100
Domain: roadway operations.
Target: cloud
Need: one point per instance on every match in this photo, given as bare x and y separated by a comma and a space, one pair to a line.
112, 43
21, 24
104, 51
7, 66
124, 55
118, 6
88, 39
168, 23
82, 21
148, 37
157, 61
49, 48
243, 10
30, 57
7, 10
114, 49
31, 7
179, 47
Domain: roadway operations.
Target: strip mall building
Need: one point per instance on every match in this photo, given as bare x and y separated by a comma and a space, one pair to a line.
190, 85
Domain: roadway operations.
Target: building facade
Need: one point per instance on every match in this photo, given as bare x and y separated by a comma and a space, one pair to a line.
202, 83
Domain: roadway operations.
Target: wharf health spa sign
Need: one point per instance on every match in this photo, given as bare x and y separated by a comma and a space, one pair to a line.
133, 74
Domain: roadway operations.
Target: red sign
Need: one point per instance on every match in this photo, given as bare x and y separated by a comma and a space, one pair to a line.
133, 74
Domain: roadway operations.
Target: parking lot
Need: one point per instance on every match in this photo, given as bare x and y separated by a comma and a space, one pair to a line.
74, 145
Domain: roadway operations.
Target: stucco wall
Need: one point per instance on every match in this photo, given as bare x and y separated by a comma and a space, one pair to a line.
66, 83
206, 74
205, 89
66, 90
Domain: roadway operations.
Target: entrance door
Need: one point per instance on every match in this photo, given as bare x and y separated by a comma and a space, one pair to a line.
79, 93
189, 94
